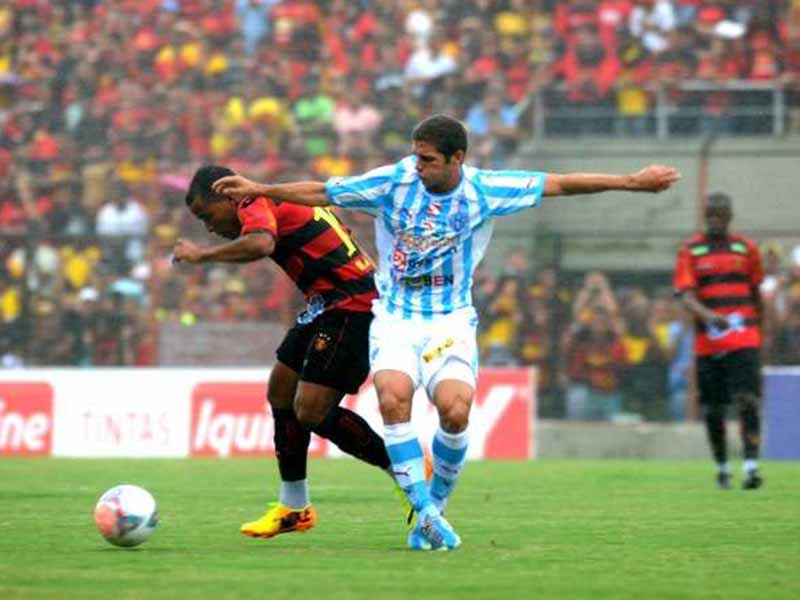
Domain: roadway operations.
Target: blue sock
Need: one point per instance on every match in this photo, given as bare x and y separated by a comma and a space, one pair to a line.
449, 455
408, 463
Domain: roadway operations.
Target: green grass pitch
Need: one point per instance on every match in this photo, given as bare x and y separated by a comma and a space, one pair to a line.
543, 529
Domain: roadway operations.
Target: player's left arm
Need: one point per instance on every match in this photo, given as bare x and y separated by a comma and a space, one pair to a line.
247, 248
756, 278
655, 178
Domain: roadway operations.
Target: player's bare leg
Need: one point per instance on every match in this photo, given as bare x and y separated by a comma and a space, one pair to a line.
317, 408
293, 511
747, 405
453, 400
395, 393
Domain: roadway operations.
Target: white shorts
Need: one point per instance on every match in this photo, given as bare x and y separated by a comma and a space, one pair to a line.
427, 351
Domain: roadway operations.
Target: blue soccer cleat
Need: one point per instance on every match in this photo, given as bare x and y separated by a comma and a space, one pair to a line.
439, 533
417, 539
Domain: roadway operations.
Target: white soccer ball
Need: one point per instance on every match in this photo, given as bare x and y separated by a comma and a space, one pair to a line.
126, 515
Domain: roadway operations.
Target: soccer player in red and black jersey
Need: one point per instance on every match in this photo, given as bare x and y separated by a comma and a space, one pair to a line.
326, 353
717, 275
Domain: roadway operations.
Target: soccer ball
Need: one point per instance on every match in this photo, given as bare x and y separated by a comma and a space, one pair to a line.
126, 515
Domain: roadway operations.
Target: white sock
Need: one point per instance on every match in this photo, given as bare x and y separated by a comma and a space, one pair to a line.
724, 467
294, 494
750, 464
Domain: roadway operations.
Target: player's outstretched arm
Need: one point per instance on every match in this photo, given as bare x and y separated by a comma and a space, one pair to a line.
247, 248
655, 178
308, 193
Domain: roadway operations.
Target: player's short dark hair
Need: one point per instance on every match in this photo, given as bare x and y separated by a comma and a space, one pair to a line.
204, 178
446, 134
719, 199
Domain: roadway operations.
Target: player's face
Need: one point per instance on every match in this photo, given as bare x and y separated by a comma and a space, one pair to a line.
717, 220
438, 174
219, 217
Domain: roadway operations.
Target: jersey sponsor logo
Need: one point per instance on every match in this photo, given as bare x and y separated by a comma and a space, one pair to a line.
321, 342
439, 350
399, 260
428, 281
458, 222
736, 323
416, 243
26, 418
434, 209
705, 266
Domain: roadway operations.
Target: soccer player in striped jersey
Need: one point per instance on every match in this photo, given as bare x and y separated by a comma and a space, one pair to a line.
325, 355
433, 222
717, 275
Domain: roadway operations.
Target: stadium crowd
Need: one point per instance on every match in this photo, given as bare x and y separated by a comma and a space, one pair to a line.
107, 107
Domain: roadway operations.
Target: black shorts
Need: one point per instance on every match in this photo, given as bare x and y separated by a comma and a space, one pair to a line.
332, 350
720, 377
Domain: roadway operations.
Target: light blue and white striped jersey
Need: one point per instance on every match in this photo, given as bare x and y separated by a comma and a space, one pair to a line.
430, 244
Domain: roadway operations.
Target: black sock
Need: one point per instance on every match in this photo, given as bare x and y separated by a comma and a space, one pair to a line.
715, 427
353, 435
291, 444
751, 432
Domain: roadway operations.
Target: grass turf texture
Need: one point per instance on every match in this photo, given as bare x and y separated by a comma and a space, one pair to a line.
545, 529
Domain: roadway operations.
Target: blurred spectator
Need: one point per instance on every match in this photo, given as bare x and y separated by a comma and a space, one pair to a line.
355, 122
589, 72
121, 226
502, 316
594, 353
646, 331
314, 115
680, 351
494, 129
254, 21
427, 69
652, 21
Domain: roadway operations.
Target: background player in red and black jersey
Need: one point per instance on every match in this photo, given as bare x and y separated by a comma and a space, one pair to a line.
325, 355
718, 276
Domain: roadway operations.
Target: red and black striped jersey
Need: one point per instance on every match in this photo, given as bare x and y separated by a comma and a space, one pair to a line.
316, 251
725, 275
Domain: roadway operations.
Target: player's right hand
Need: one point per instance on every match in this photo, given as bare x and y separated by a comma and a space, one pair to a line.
236, 186
655, 178
718, 321
186, 251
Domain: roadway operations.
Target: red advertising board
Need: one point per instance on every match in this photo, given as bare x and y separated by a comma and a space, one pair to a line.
26, 418
234, 418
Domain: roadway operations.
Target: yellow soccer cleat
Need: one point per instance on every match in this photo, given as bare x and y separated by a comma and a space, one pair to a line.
281, 519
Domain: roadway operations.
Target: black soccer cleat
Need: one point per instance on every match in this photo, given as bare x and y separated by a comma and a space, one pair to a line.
752, 480
724, 480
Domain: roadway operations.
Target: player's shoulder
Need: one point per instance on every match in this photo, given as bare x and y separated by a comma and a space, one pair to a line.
404, 171
694, 240
253, 201
742, 239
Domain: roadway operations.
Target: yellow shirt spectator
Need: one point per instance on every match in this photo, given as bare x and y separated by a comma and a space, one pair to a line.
10, 305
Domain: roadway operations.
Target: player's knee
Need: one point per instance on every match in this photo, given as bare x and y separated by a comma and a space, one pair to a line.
280, 401
309, 414
454, 415
394, 401
714, 412
746, 401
